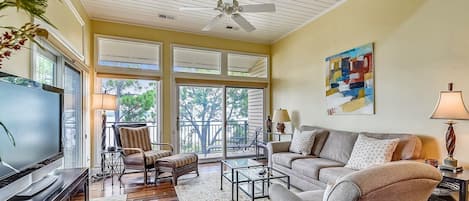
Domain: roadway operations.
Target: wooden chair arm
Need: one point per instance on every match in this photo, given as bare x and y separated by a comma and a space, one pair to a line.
164, 144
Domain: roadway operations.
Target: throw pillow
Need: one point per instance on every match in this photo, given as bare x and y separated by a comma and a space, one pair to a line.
302, 142
368, 152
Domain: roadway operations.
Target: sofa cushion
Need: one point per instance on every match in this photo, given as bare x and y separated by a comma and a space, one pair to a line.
370, 151
302, 142
339, 145
310, 167
319, 139
330, 175
409, 147
286, 158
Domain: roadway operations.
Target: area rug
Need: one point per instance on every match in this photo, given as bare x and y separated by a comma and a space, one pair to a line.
206, 187
111, 198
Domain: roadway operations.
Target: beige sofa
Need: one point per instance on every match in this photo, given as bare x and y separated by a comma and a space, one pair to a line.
330, 153
397, 181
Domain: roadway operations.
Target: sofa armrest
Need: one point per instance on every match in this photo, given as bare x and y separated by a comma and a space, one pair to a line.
279, 193
276, 147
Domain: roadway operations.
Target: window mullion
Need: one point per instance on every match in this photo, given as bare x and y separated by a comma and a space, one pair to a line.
224, 63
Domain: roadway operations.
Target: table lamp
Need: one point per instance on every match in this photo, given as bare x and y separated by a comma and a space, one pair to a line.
281, 116
103, 102
451, 107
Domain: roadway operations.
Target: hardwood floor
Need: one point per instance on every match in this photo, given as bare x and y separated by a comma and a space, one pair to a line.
132, 185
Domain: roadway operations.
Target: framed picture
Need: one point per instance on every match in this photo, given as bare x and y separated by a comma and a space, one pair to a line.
350, 80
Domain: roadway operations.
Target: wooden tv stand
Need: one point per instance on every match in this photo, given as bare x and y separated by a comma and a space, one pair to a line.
75, 180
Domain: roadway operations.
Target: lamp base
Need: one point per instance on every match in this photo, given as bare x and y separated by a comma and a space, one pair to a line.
450, 162
281, 127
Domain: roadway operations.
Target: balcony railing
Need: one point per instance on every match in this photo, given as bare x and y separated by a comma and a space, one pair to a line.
205, 137
202, 137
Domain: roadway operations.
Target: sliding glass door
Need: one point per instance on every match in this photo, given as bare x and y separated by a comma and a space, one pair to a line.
219, 122
73, 138
244, 114
200, 121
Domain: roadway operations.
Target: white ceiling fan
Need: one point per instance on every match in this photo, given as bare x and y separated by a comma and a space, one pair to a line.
233, 9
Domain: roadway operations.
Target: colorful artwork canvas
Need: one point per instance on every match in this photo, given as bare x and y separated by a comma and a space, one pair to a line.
349, 82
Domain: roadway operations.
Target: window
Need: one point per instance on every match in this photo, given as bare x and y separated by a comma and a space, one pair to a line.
191, 60
219, 62
123, 53
45, 67
247, 65
138, 102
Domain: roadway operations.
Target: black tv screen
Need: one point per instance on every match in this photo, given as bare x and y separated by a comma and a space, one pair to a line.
32, 112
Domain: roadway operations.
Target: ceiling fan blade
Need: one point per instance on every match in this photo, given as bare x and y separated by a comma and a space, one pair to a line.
213, 22
242, 22
195, 9
257, 8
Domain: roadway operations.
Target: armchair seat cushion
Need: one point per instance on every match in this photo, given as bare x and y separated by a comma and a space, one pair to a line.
286, 158
330, 175
310, 167
150, 157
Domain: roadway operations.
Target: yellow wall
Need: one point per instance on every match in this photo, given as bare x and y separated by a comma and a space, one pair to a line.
420, 46
168, 38
59, 15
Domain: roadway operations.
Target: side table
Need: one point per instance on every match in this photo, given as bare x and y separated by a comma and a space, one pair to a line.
110, 163
459, 179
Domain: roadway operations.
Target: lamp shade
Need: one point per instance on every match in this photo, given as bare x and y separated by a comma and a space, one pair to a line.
450, 106
104, 102
281, 116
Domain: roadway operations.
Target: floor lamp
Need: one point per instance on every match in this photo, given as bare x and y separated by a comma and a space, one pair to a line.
103, 102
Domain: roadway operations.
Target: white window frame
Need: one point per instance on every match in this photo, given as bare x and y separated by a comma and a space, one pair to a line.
59, 74
223, 77
223, 68
127, 71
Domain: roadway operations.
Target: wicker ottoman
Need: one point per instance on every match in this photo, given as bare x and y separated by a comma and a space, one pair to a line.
177, 165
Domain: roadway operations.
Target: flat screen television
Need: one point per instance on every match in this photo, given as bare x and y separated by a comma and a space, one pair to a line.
32, 112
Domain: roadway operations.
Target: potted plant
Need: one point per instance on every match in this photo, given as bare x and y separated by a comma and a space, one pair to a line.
15, 38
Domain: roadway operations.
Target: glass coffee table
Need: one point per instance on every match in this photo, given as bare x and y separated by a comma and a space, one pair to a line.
232, 165
255, 181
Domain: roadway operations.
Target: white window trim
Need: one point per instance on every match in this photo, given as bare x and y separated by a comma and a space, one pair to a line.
223, 68
127, 71
223, 76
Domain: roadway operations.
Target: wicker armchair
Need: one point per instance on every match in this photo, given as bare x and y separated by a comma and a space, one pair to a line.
134, 141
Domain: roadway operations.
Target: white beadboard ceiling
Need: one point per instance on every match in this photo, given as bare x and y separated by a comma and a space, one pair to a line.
290, 15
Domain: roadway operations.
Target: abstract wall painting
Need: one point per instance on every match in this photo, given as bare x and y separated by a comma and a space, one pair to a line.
349, 82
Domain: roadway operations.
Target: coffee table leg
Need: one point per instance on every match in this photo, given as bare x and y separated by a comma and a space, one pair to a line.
252, 191
221, 175
288, 179
232, 184
237, 187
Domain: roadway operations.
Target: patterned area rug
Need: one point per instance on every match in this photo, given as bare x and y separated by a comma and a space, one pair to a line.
206, 187
111, 198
